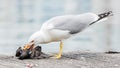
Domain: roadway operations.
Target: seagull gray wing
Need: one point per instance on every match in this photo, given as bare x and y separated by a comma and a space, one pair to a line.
73, 23
72, 26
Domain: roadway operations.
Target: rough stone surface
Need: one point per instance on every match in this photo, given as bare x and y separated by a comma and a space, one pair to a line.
69, 60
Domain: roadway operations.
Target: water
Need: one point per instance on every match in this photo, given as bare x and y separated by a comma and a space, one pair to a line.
20, 18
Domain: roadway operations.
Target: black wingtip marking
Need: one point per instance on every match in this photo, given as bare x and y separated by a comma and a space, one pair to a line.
103, 15
106, 14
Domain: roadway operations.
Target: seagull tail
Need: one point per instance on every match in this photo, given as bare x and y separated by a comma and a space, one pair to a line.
102, 16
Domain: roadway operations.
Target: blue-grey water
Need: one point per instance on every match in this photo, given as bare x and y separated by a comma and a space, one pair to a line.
20, 18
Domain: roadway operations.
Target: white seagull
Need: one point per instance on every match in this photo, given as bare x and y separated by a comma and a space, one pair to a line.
63, 27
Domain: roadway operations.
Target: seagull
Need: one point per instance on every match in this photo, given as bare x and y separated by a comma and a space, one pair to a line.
63, 27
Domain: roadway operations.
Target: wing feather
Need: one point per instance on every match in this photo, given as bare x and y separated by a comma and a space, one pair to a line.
72, 23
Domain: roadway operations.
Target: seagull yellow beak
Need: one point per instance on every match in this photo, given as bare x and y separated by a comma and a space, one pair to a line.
28, 46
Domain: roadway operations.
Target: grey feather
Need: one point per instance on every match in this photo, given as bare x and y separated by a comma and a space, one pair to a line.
73, 23
72, 27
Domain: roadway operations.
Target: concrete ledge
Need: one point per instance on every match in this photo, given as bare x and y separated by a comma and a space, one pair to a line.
69, 60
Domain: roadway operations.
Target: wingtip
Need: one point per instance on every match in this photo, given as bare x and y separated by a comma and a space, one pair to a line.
102, 16
110, 13
106, 14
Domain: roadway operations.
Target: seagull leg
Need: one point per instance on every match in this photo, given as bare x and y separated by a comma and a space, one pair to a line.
60, 52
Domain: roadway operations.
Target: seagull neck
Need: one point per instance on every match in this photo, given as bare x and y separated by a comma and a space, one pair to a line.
43, 37
40, 38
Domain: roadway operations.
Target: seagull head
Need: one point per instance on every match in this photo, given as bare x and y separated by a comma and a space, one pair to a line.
36, 38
